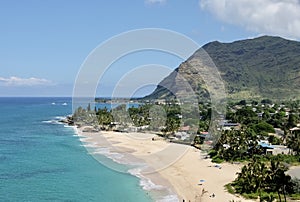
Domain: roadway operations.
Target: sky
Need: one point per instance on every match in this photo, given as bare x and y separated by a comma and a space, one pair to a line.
44, 44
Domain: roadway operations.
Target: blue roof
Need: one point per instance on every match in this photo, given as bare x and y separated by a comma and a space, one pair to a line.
264, 145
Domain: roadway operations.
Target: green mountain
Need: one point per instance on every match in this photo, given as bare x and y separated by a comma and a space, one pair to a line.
264, 67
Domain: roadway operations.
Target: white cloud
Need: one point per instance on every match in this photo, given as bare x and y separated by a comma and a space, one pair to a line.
275, 17
16, 81
155, 1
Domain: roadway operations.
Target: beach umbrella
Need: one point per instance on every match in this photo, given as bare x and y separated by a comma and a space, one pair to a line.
202, 180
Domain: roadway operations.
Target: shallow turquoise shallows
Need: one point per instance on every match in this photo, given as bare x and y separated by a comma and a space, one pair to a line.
41, 160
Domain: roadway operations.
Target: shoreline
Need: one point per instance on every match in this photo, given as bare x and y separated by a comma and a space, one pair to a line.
96, 144
177, 172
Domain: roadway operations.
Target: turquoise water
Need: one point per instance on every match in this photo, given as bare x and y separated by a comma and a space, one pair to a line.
41, 160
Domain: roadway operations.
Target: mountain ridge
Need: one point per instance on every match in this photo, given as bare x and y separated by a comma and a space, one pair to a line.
258, 68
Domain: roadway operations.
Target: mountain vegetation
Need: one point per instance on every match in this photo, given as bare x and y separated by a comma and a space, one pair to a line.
263, 67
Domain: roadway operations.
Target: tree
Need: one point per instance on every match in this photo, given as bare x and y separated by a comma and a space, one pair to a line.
157, 117
266, 101
274, 140
277, 179
120, 114
293, 141
171, 125
245, 116
251, 178
243, 102
258, 177
88, 107
263, 128
104, 117
292, 121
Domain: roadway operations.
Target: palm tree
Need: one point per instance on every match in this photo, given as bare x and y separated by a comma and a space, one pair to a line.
293, 141
277, 178
261, 175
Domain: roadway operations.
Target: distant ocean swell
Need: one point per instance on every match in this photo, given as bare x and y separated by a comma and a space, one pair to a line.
43, 160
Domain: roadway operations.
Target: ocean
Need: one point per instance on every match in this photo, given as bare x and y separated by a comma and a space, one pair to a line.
43, 160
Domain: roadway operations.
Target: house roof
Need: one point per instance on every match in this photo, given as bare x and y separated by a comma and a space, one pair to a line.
265, 145
295, 128
185, 128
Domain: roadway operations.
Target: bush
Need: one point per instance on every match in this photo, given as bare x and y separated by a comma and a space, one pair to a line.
289, 159
266, 101
268, 196
217, 159
296, 186
251, 195
212, 153
229, 188
263, 127
295, 196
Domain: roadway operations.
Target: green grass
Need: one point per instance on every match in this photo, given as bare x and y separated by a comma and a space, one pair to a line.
250, 196
217, 159
266, 196
294, 196
229, 188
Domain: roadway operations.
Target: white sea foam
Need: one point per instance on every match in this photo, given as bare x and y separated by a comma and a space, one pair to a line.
55, 120
161, 193
145, 183
86, 143
168, 198
87, 139
52, 122
78, 135
67, 126
148, 185
102, 150
116, 157
60, 117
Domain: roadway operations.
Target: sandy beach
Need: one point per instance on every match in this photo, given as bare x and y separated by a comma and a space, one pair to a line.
181, 168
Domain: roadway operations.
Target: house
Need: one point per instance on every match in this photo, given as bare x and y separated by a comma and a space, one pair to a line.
295, 129
226, 146
184, 129
279, 149
279, 132
204, 134
273, 149
231, 126
260, 115
160, 102
182, 135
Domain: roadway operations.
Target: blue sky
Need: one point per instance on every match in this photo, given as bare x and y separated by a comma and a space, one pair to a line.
44, 43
